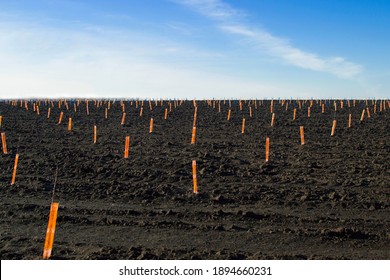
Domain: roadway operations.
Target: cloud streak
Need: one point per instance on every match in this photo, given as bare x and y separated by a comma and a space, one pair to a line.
42, 61
224, 15
215, 9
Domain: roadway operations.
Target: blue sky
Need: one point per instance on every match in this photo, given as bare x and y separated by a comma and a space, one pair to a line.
195, 48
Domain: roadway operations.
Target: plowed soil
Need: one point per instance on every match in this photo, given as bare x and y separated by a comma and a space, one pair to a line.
327, 199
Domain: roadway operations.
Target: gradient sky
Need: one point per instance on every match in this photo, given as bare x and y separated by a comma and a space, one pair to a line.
195, 48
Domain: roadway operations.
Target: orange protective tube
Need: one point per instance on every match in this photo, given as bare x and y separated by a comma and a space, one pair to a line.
70, 124
193, 135
4, 143
51, 227
350, 121
15, 167
123, 118
151, 125
273, 119
302, 132
266, 149
127, 145
194, 176
195, 115
333, 128
60, 119
94, 134
362, 117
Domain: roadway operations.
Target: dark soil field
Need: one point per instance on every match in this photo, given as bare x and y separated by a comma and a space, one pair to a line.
327, 199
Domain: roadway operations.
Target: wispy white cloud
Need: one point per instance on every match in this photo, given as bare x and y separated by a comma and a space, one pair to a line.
212, 8
181, 28
281, 48
273, 45
123, 17
38, 61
